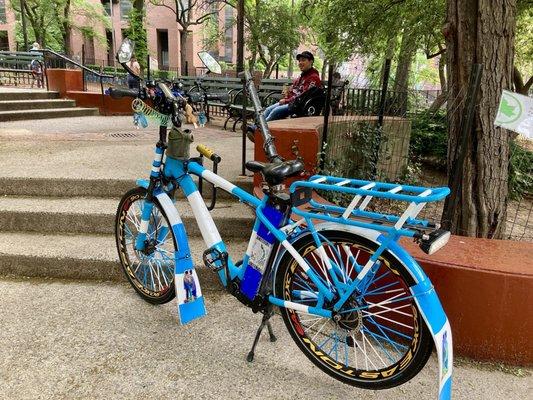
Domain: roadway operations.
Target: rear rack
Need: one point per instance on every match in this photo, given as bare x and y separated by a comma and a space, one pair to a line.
356, 213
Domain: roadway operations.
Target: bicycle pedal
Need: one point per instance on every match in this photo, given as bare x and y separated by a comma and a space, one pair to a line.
214, 259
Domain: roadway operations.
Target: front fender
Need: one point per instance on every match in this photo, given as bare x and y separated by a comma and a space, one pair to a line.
424, 294
188, 291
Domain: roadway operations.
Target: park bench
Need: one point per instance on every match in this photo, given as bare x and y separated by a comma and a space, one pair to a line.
15, 68
269, 91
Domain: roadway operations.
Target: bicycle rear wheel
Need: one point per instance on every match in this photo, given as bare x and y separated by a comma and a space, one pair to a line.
379, 339
150, 272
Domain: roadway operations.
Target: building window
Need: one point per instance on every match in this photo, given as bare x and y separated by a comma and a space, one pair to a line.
3, 18
4, 42
162, 49
228, 37
107, 6
125, 8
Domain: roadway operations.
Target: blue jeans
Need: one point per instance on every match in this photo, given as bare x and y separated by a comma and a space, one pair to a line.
277, 111
273, 112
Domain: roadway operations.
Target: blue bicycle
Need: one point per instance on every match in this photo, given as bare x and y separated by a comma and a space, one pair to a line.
354, 301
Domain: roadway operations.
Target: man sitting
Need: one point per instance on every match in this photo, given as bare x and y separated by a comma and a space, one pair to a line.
308, 79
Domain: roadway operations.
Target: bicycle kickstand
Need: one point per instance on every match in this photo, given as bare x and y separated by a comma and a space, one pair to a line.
264, 321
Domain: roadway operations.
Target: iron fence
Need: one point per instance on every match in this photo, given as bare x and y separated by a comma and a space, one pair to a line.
411, 145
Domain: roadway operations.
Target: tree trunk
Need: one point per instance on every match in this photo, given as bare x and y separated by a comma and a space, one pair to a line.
184, 36
479, 31
269, 68
441, 98
401, 82
66, 27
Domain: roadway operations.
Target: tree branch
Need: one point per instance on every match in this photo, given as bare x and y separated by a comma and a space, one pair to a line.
430, 56
162, 4
528, 85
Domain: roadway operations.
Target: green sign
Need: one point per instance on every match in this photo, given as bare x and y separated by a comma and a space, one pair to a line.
516, 113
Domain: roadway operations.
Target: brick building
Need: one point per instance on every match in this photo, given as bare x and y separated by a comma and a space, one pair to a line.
162, 30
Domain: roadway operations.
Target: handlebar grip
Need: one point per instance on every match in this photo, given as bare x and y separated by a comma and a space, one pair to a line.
208, 153
224, 97
166, 91
117, 93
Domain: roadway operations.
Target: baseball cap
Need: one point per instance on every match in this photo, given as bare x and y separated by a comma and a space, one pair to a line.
306, 54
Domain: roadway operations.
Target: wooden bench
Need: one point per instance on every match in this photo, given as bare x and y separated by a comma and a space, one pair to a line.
15, 68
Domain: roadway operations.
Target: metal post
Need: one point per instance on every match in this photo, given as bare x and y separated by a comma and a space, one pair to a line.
456, 171
244, 128
45, 69
240, 36
384, 87
148, 67
82, 63
240, 68
381, 113
326, 117
113, 36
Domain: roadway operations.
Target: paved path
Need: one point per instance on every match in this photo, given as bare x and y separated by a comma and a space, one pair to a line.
72, 340
99, 148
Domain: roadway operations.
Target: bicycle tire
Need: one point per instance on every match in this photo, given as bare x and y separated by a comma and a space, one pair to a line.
151, 273
360, 326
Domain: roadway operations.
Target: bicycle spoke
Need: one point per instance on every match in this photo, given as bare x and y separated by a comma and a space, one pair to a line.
379, 326
374, 350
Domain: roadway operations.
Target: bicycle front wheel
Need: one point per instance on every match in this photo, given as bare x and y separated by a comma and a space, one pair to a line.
378, 340
151, 271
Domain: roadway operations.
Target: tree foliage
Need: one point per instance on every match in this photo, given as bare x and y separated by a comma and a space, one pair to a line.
523, 72
137, 33
270, 39
50, 22
189, 13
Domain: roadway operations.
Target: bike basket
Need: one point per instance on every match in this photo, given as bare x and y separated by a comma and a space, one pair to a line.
179, 143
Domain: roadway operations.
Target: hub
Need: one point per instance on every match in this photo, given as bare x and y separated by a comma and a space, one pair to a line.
349, 318
149, 247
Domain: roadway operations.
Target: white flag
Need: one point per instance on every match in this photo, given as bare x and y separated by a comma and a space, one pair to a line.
516, 114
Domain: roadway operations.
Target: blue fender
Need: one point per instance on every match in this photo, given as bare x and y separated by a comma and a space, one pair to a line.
191, 303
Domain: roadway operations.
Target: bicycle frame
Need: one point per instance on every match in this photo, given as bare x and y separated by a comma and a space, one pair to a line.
170, 173
180, 171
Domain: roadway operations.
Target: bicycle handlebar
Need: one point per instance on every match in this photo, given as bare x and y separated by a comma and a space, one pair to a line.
117, 93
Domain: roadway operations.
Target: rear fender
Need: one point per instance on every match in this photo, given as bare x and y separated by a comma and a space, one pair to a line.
423, 291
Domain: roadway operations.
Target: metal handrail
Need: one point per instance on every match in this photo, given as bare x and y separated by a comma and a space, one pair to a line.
77, 64
100, 75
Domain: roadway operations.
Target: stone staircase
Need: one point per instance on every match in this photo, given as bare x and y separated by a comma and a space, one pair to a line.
64, 228
16, 105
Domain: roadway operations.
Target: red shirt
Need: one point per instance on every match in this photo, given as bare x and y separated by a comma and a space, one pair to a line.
306, 80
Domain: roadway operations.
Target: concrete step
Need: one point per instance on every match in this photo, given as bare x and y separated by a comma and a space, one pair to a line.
48, 113
91, 257
106, 188
82, 215
27, 94
17, 105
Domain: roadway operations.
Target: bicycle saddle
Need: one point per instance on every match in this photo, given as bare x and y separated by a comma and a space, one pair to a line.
275, 173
